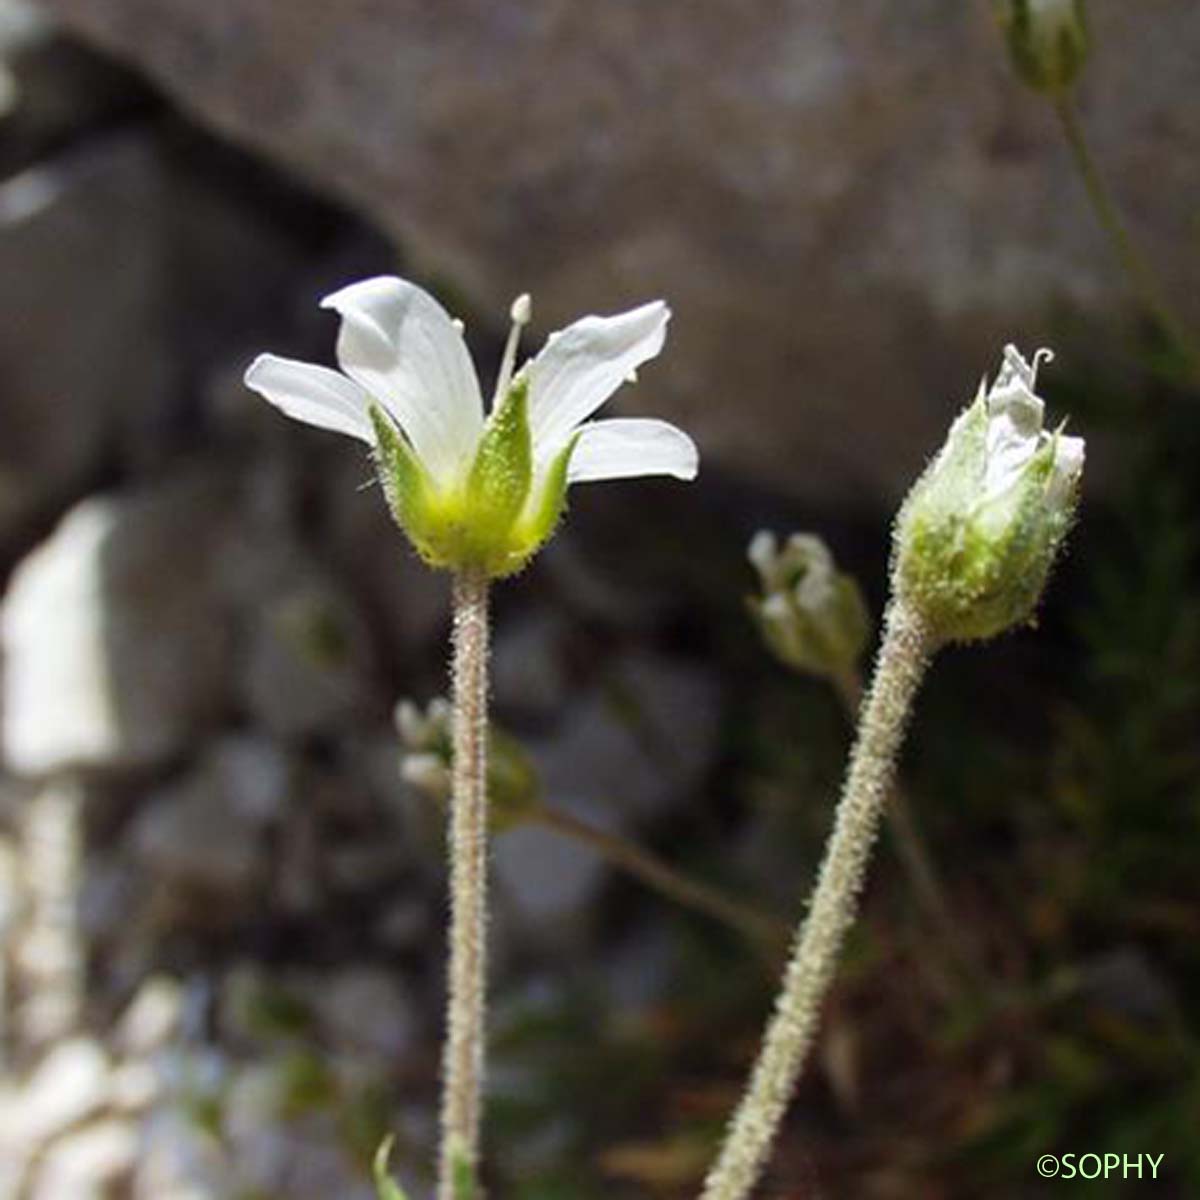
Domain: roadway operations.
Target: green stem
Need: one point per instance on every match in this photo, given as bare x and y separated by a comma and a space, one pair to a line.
463, 1054
903, 657
1135, 266
915, 859
761, 928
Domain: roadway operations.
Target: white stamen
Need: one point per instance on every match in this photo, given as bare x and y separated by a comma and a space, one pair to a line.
458, 324
521, 311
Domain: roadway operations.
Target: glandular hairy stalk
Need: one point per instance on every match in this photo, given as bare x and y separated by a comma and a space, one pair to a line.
903, 656
463, 1053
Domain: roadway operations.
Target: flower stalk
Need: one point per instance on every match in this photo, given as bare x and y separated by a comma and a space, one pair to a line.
903, 656
463, 1058
762, 929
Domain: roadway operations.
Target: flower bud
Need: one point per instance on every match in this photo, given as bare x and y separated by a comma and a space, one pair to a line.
811, 615
977, 535
514, 789
1047, 40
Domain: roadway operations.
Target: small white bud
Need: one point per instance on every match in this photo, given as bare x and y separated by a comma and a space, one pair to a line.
979, 531
811, 615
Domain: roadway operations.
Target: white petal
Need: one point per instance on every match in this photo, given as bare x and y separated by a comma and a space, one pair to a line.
624, 449
315, 395
581, 366
1068, 467
401, 345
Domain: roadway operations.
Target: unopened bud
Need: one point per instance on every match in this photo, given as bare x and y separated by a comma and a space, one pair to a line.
514, 788
978, 533
1047, 40
811, 615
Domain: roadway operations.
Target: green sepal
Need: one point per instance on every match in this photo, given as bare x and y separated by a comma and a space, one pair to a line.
386, 1187
406, 484
500, 478
543, 511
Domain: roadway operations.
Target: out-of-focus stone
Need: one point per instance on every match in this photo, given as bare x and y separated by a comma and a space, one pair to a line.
638, 743
153, 1016
193, 838
547, 885
180, 1160
82, 343
529, 675
366, 1012
87, 1163
308, 669
849, 206
69, 1085
113, 642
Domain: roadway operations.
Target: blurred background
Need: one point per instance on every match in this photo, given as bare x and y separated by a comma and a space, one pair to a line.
221, 910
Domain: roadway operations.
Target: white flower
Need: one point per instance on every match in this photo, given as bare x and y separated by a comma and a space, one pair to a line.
401, 354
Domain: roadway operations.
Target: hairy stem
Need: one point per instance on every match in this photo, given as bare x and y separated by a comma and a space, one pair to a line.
903, 656
761, 928
1135, 266
915, 859
462, 1061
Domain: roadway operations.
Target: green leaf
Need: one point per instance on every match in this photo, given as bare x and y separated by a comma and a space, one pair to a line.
385, 1185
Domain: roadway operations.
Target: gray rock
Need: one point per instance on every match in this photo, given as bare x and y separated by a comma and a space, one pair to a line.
408, 603
83, 346
529, 676
308, 668
637, 744
547, 885
365, 1012
205, 833
70, 1084
153, 1017
88, 1163
850, 207
181, 1161
113, 643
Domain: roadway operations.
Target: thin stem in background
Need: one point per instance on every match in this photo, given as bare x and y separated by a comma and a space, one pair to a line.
1141, 277
766, 931
463, 1055
903, 656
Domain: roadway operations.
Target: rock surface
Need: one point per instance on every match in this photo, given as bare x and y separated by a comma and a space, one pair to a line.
850, 207
80, 257
113, 651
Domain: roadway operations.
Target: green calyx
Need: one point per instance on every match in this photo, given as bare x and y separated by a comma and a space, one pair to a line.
1047, 41
493, 520
974, 566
